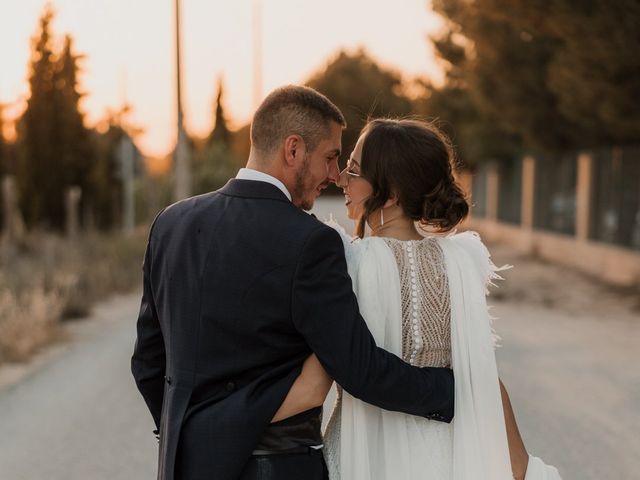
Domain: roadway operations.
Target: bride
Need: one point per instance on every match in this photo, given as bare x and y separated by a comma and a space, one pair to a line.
421, 290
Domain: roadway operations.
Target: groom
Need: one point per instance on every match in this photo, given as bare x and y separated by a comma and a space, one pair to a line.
240, 286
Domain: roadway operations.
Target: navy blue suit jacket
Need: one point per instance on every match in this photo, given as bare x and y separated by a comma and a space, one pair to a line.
240, 286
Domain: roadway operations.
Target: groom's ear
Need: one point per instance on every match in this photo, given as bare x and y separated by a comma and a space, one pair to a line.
293, 146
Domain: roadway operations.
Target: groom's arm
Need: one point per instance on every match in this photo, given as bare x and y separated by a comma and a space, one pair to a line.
326, 313
149, 358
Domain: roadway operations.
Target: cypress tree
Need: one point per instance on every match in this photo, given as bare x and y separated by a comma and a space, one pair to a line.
38, 179
220, 132
76, 149
55, 149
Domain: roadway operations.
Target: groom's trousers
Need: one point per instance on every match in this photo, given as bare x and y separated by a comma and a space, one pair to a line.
308, 465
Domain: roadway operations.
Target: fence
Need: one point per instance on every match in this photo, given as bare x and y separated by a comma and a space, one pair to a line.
555, 194
510, 191
615, 202
479, 189
581, 210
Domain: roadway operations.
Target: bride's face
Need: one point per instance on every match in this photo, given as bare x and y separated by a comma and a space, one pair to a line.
356, 189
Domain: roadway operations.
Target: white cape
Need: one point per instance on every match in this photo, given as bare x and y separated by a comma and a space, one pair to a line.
363, 442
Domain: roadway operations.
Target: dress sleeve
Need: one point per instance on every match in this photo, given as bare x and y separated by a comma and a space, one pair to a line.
486, 270
480, 442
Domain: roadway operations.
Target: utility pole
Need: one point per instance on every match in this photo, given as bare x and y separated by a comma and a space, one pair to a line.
127, 155
257, 53
181, 163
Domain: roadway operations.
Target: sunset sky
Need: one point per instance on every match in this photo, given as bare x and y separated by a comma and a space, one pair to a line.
130, 51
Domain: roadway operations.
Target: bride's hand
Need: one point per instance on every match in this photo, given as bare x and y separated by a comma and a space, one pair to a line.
308, 391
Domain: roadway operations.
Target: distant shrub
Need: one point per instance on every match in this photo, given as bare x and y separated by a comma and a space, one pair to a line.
49, 279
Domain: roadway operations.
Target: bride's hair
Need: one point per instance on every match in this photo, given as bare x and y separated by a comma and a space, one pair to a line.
414, 160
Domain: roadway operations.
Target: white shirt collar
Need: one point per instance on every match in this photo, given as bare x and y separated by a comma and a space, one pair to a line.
251, 174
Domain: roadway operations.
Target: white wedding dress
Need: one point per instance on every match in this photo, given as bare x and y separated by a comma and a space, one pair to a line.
425, 302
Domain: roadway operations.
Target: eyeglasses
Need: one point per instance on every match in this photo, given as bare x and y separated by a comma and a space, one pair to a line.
351, 173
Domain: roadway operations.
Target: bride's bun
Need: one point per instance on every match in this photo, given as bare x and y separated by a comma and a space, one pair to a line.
445, 206
413, 161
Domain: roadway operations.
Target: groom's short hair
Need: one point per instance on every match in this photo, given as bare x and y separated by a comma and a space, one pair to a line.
293, 110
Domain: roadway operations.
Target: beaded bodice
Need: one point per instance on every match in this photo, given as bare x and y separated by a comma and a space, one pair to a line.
426, 309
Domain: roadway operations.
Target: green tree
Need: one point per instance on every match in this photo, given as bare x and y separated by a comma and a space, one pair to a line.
104, 199
220, 132
241, 144
213, 166
474, 133
55, 147
77, 153
217, 158
474, 137
105, 196
504, 71
3, 144
361, 89
554, 75
3, 162
38, 179
595, 67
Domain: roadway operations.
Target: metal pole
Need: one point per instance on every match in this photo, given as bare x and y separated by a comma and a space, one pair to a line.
178, 73
182, 171
257, 53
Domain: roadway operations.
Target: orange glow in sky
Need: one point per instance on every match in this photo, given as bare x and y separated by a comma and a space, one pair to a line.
130, 52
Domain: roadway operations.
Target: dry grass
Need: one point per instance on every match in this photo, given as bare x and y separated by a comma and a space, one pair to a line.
47, 280
27, 321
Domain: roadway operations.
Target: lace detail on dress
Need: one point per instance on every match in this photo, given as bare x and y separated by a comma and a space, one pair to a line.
331, 450
426, 308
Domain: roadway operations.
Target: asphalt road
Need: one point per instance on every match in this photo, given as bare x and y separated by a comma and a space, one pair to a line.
78, 415
574, 381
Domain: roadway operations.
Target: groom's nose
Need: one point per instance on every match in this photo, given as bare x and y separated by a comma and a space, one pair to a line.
334, 172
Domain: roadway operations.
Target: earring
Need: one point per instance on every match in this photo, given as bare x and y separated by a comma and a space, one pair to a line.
381, 216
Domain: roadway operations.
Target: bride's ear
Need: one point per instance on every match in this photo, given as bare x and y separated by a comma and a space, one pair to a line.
391, 201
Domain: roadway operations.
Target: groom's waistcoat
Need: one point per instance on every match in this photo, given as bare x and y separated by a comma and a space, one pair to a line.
239, 287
